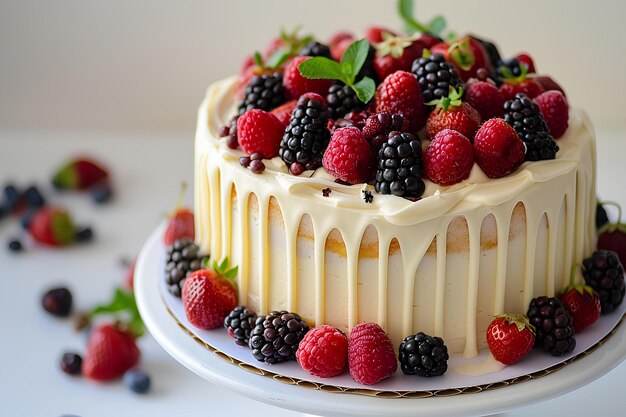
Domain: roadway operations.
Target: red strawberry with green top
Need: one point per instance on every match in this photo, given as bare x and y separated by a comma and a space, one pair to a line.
396, 53
260, 132
513, 84
79, 174
467, 54
180, 224
451, 113
510, 337
110, 353
52, 226
400, 93
209, 295
612, 236
583, 304
525, 59
377, 34
296, 85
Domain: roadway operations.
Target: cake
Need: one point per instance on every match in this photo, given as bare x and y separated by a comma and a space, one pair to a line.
444, 263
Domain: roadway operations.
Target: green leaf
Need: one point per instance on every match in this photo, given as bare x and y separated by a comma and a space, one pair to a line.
120, 302
232, 273
437, 25
278, 58
124, 307
365, 89
322, 68
258, 59
354, 57
405, 9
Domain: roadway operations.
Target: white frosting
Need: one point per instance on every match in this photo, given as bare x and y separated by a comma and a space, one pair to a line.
449, 294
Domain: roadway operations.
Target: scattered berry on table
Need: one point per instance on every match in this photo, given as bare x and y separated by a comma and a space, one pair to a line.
182, 258
583, 304
348, 156
400, 166
485, 98
326, 192
84, 234
498, 149
423, 355
367, 196
400, 93
239, 324
343, 100
555, 110
52, 226
80, 173
554, 331
604, 273
12, 196
452, 113
510, 337
110, 352
27, 217
435, 77
57, 301
315, 48
371, 356
296, 85
71, 363
137, 381
15, 245
276, 337
259, 131
101, 193
323, 352
34, 198
449, 158
264, 92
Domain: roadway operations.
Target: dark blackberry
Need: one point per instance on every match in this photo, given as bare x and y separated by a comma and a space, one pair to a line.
435, 76
58, 302
553, 325
343, 100
400, 166
604, 273
601, 217
524, 115
378, 127
182, 258
306, 137
314, 48
511, 64
276, 337
423, 355
492, 51
239, 324
264, 92
71, 363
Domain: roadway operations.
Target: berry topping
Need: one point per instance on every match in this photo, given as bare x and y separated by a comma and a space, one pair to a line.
137, 381
378, 127
435, 76
400, 166
526, 60
449, 158
79, 174
52, 226
71, 363
307, 136
283, 112
510, 337
548, 84
239, 324
396, 53
555, 111
264, 92
296, 84
451, 113
553, 325
349, 156
101, 193
182, 258
583, 304
110, 353
604, 273
485, 98
423, 355
323, 352
370, 354
498, 149
259, 131
467, 54
314, 48
326, 192
400, 93
276, 337
343, 100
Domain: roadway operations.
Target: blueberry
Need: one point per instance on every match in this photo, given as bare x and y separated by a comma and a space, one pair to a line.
71, 363
15, 246
11, 196
84, 235
58, 302
33, 197
101, 193
137, 381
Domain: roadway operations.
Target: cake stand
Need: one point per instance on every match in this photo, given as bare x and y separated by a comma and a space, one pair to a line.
210, 366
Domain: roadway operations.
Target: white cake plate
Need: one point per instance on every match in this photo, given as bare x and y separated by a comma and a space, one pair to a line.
177, 342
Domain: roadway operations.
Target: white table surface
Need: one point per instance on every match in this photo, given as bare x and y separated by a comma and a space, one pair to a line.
147, 170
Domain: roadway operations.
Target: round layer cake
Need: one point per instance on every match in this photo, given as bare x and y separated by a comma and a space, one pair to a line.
444, 265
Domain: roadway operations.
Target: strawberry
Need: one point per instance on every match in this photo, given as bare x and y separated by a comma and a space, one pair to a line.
510, 337
526, 60
498, 149
296, 85
337, 50
283, 112
583, 304
179, 225
467, 54
401, 93
323, 352
486, 98
110, 353
396, 53
612, 236
371, 357
80, 174
349, 156
548, 84
451, 113
259, 132
209, 295
257, 67
529, 86
555, 111
52, 226
449, 158
377, 34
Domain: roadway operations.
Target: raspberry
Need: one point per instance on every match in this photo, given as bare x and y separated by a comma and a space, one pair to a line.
449, 158
485, 98
529, 87
296, 85
400, 93
371, 357
283, 112
464, 119
259, 131
555, 111
323, 352
349, 156
498, 149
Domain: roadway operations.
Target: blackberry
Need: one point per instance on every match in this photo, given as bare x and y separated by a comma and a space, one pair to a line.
264, 92
71, 363
183, 257
524, 115
604, 273
511, 64
378, 127
553, 325
423, 355
306, 137
239, 324
343, 100
435, 76
58, 302
400, 166
314, 48
276, 337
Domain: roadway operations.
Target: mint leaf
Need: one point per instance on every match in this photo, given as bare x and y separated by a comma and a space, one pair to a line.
354, 57
322, 68
278, 58
437, 25
365, 89
405, 9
